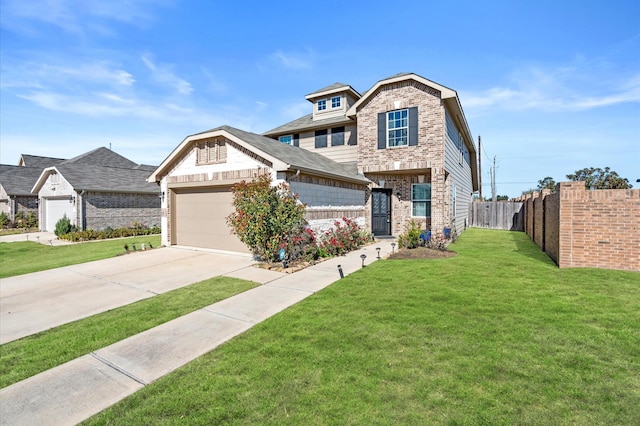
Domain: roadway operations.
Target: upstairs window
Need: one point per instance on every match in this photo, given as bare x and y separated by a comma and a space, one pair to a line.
398, 128
212, 152
336, 101
287, 139
322, 104
421, 200
337, 136
321, 139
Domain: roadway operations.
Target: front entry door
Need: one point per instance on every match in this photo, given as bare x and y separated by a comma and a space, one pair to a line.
381, 212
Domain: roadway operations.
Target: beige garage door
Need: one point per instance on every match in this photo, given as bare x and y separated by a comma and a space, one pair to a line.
200, 219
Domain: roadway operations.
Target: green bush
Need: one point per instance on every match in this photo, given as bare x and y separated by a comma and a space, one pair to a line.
63, 226
410, 238
4, 220
266, 217
107, 233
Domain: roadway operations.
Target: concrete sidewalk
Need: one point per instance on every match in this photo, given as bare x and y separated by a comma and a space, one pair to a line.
85, 386
48, 238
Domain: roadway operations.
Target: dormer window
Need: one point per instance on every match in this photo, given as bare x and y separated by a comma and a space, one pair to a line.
336, 102
322, 104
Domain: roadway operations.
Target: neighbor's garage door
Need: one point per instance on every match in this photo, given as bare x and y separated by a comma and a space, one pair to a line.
200, 219
55, 209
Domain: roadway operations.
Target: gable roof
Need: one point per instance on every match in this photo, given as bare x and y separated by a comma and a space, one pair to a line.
100, 170
283, 156
451, 101
331, 89
102, 157
18, 180
307, 123
87, 177
37, 161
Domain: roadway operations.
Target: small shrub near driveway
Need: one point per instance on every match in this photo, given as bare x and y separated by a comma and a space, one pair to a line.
345, 236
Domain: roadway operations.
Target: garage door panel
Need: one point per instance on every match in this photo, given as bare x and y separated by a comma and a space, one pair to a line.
201, 219
55, 209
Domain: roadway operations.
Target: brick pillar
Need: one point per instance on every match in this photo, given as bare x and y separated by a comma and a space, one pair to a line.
568, 193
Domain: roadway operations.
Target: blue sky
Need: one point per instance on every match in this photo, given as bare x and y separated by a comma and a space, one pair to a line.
551, 86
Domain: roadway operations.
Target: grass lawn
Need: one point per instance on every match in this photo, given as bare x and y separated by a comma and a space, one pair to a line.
495, 335
19, 258
39, 352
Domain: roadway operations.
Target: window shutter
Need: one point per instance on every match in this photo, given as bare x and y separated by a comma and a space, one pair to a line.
337, 136
222, 152
296, 140
382, 130
413, 126
321, 138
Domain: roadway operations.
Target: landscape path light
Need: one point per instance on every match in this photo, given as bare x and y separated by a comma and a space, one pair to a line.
363, 257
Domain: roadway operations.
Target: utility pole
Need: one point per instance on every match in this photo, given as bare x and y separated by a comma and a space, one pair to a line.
480, 167
494, 196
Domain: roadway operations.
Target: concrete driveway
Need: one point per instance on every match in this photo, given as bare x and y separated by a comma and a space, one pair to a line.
35, 302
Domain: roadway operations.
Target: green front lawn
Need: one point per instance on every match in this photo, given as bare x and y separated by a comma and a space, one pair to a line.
39, 352
24, 257
495, 335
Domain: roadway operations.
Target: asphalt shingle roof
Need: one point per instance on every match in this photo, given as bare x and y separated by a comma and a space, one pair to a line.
102, 157
39, 162
307, 123
295, 157
89, 177
17, 180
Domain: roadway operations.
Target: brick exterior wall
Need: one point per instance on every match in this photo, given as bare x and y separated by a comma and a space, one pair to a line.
117, 210
400, 166
552, 225
589, 229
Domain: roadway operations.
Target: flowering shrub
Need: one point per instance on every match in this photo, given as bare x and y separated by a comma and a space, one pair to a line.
438, 242
301, 245
266, 217
344, 237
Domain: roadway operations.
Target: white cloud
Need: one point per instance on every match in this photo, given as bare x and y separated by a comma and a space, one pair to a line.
555, 89
163, 74
293, 61
77, 16
297, 109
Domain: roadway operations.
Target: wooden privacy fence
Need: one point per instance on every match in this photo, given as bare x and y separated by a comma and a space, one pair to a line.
498, 215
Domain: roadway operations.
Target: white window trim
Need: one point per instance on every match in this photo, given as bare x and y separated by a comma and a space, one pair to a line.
318, 105
339, 98
419, 201
407, 127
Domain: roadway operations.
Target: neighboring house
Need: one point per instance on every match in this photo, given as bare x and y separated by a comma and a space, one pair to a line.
196, 178
16, 183
96, 190
400, 151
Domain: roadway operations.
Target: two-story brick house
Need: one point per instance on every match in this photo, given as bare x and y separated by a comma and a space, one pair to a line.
408, 136
400, 151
